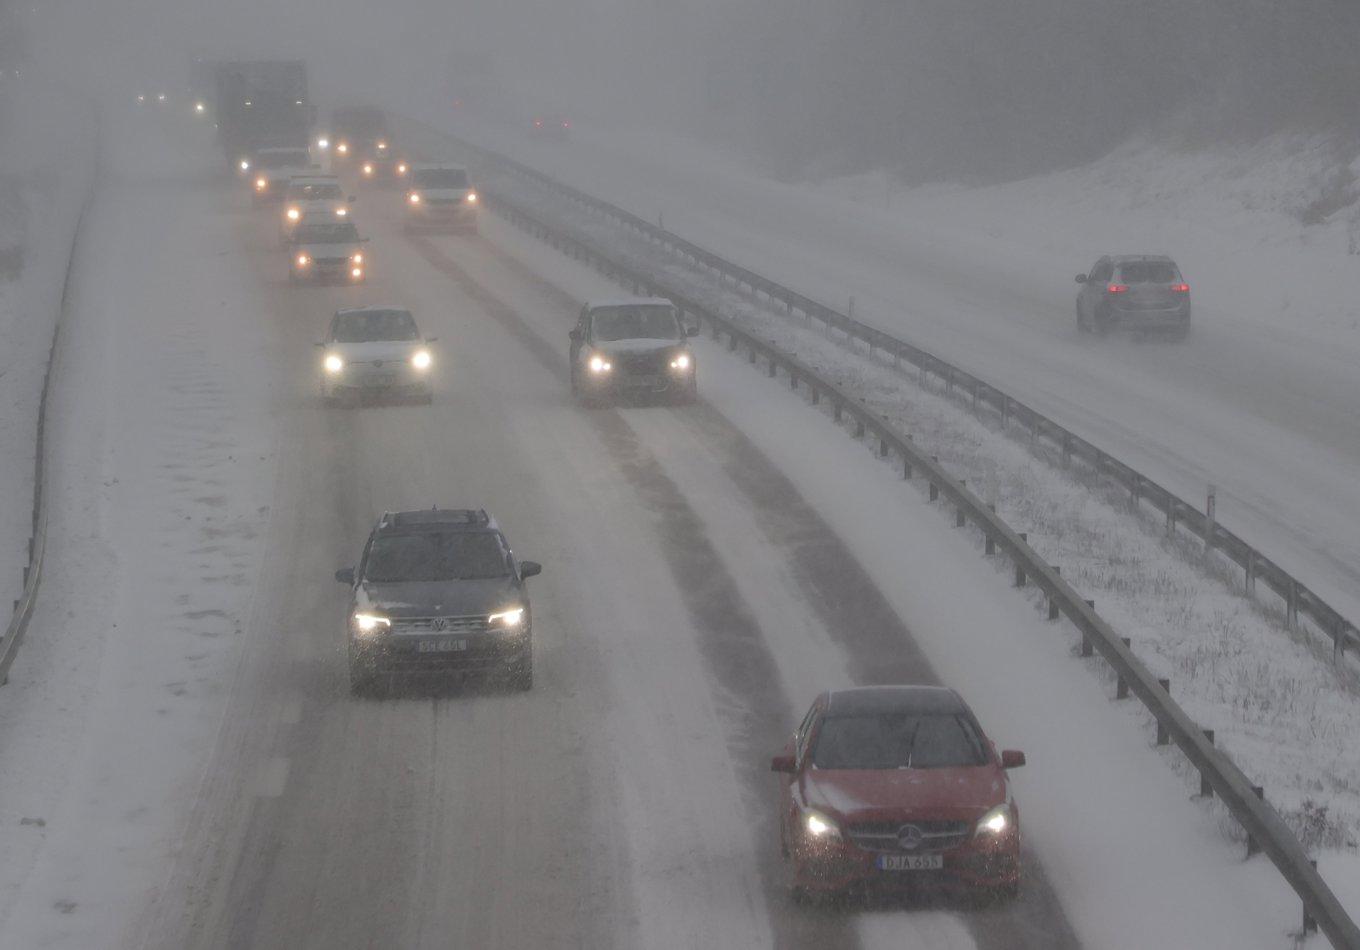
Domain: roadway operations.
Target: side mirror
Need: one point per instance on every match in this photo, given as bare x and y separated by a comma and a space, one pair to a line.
345, 575
530, 568
783, 763
1081, 278
575, 336
691, 331
1011, 759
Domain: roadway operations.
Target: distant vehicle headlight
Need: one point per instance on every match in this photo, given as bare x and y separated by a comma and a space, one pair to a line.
382, 146
245, 165
343, 148
368, 168
820, 826
261, 184
356, 259
421, 359
294, 214
682, 362
415, 198
303, 260
598, 364
370, 623
200, 107
323, 143
472, 197
508, 618
341, 212
401, 168
356, 273
333, 363
141, 98
995, 822
161, 97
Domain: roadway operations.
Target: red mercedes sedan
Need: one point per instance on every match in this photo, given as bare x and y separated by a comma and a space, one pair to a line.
897, 786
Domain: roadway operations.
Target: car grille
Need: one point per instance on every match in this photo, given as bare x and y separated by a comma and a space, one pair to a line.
446, 201
331, 261
642, 364
437, 625
886, 836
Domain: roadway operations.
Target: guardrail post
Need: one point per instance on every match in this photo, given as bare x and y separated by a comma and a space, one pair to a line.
731, 342
1135, 491
1163, 737
816, 393
836, 410
1067, 450
990, 547
793, 379
1211, 517
1121, 685
1171, 515
975, 389
1053, 601
1206, 790
1250, 582
1020, 568
1292, 605
1252, 846
752, 359
1005, 411
960, 519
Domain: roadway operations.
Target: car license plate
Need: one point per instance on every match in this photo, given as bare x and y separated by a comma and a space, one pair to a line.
441, 646
910, 862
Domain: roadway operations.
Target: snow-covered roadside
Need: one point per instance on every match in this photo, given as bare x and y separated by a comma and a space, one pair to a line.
46, 168
1098, 807
161, 467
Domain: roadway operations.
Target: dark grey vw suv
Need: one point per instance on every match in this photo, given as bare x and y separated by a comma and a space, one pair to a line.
438, 590
1140, 292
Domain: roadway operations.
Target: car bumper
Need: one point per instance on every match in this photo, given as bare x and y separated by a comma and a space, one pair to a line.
370, 379
479, 653
1173, 318
331, 273
642, 384
442, 216
975, 865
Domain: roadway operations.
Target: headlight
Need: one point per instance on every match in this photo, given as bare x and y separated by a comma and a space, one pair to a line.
401, 168
356, 273
294, 214
681, 362
368, 169
333, 363
200, 107
415, 198
341, 212
141, 98
512, 617
370, 623
161, 97
420, 359
303, 260
357, 259
995, 822
261, 184
342, 148
472, 197
382, 146
598, 364
245, 165
820, 826
323, 143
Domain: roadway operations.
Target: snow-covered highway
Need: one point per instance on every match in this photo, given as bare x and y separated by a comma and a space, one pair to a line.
181, 762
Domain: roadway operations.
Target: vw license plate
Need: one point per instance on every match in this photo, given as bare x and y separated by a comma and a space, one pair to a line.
441, 646
910, 862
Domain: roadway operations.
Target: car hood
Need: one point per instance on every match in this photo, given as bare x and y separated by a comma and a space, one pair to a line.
329, 250
438, 598
640, 346
394, 350
321, 204
275, 174
442, 194
899, 794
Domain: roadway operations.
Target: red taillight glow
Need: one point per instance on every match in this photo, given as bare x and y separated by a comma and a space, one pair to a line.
1181, 288
1117, 288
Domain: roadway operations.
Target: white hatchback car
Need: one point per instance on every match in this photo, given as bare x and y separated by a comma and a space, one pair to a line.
312, 197
376, 351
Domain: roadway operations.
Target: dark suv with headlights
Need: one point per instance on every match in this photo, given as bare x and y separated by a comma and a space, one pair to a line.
632, 346
438, 591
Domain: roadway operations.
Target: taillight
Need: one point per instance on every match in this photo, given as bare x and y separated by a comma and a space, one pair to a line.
1181, 288
1117, 288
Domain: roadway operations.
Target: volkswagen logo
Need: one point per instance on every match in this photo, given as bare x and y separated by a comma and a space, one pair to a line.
439, 624
909, 837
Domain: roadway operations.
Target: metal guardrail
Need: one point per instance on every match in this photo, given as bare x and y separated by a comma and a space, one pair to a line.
1297, 598
1265, 829
37, 543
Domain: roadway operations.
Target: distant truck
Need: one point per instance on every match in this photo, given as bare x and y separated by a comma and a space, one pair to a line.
261, 104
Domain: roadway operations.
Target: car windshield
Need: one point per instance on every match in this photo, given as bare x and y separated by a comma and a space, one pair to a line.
437, 556
898, 741
440, 178
283, 158
317, 192
340, 232
368, 326
1148, 272
646, 322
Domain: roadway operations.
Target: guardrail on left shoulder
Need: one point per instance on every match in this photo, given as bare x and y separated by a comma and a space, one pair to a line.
37, 544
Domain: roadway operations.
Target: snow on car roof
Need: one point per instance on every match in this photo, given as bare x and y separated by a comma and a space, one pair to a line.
906, 699
630, 302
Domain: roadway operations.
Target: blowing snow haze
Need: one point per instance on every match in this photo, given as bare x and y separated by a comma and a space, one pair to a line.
926, 88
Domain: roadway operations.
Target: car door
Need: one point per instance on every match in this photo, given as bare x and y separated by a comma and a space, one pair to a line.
1089, 291
790, 803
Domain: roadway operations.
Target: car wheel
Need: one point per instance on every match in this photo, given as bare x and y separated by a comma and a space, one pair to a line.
522, 673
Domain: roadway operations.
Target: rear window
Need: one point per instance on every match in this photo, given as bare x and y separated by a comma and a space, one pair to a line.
317, 192
1148, 272
440, 178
